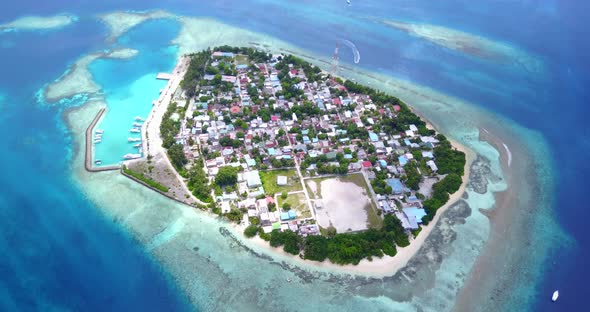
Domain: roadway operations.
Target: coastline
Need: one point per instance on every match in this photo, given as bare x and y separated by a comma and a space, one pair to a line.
194, 252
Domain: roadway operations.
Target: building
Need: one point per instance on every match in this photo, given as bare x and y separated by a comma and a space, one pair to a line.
281, 180
253, 179
396, 186
432, 165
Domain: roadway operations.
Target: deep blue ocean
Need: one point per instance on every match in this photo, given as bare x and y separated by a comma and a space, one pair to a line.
58, 250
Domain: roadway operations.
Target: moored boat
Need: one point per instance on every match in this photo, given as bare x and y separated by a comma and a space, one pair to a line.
98, 162
134, 130
131, 156
137, 145
99, 131
133, 139
137, 118
555, 296
137, 124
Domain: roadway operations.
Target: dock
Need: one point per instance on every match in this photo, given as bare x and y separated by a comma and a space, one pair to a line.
88, 156
164, 76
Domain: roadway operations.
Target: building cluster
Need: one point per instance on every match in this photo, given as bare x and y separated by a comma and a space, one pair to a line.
242, 118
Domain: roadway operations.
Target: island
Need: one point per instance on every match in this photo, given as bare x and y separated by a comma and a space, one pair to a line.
322, 167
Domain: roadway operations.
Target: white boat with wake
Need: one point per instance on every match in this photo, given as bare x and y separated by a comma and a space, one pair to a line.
131, 156
134, 130
133, 139
555, 296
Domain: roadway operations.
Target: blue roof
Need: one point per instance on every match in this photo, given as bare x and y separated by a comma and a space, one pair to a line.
402, 160
241, 66
251, 162
292, 214
373, 136
306, 131
386, 207
285, 216
315, 140
417, 213
407, 142
396, 185
306, 139
237, 90
348, 156
271, 151
383, 163
287, 156
412, 198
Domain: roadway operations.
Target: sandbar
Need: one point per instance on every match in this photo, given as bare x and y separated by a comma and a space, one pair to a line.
121, 22
31, 23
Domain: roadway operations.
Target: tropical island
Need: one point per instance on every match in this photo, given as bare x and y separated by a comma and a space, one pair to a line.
325, 168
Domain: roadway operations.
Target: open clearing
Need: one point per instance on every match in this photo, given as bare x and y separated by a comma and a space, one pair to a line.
269, 181
345, 203
298, 203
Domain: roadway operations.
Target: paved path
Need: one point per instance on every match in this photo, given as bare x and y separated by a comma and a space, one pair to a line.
89, 141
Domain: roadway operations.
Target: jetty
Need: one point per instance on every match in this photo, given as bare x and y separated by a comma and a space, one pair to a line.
164, 76
89, 140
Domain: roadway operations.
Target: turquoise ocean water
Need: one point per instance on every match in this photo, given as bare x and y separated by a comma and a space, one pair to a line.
60, 249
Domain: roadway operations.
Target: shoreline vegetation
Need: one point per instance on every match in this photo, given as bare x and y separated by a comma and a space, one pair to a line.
191, 156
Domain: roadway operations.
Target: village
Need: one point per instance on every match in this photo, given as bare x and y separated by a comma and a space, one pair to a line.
278, 145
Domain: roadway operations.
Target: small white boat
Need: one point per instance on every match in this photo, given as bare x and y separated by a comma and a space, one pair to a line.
135, 130
137, 118
98, 162
99, 131
131, 156
137, 124
137, 145
133, 139
555, 296
97, 141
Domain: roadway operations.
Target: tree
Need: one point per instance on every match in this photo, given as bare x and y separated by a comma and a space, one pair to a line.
226, 176
251, 231
315, 248
176, 154
284, 195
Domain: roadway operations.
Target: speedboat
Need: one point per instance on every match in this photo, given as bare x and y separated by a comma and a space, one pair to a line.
133, 139
99, 131
137, 124
137, 118
137, 145
98, 162
555, 296
97, 141
131, 156
135, 130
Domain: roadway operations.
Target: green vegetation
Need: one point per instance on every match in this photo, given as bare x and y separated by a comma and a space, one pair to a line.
177, 157
145, 179
169, 127
269, 181
290, 241
195, 72
251, 231
449, 160
198, 182
296, 201
227, 176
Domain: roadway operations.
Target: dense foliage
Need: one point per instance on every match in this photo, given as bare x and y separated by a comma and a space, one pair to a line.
169, 127
226, 176
177, 157
195, 72
449, 160
198, 182
251, 231
145, 179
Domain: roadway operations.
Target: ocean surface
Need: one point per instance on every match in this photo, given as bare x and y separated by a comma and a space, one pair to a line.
60, 251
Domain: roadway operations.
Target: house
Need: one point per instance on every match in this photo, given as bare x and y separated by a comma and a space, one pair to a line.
396, 186
414, 214
367, 164
432, 165
225, 207
281, 180
373, 136
402, 160
253, 179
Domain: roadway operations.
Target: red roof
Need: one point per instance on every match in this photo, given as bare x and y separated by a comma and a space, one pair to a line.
336, 101
274, 118
396, 108
235, 109
293, 71
269, 200
367, 164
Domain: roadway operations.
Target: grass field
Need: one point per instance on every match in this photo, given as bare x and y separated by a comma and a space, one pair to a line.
297, 202
269, 181
241, 59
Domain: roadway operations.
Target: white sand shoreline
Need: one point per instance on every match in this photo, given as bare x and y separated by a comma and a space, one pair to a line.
379, 267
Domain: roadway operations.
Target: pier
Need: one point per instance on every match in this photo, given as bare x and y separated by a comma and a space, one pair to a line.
88, 156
